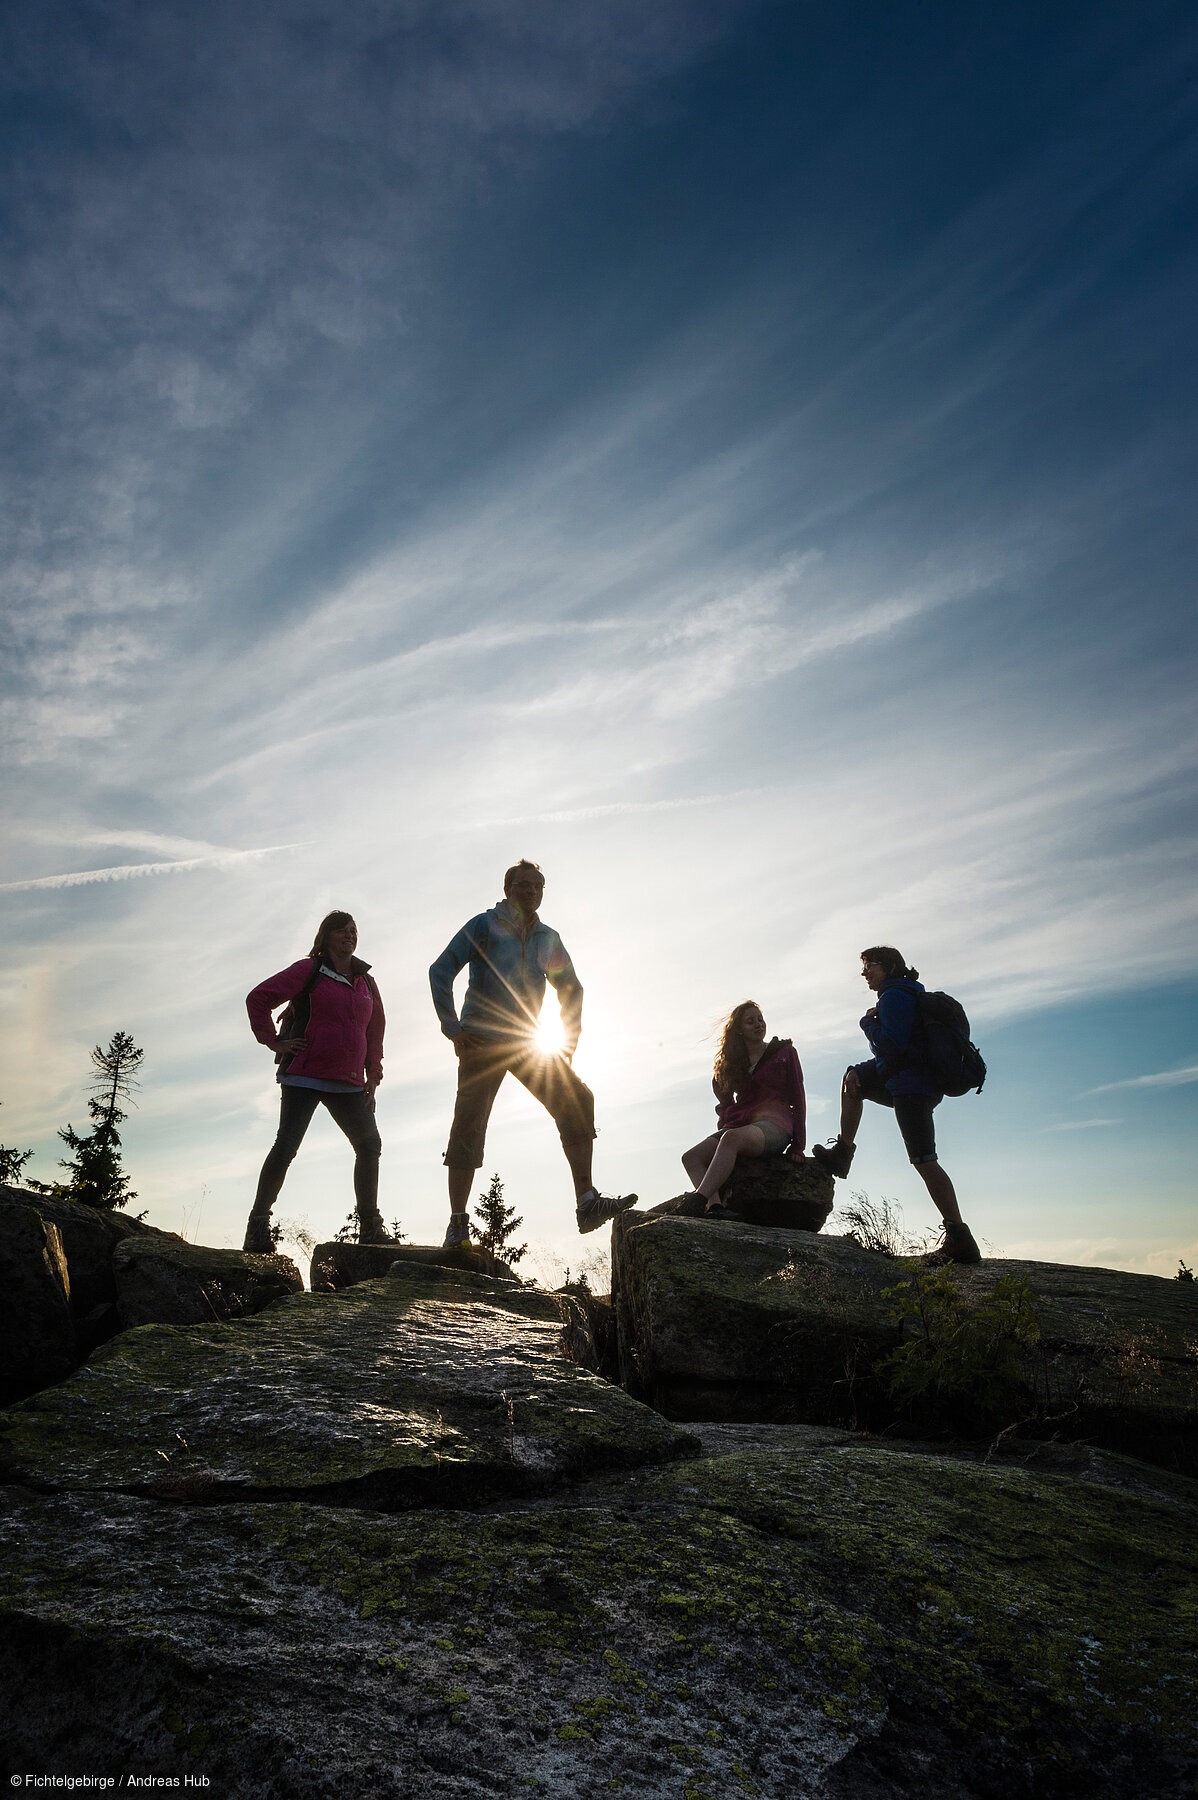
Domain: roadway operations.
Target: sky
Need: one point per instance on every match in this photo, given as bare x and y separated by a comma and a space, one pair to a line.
738, 456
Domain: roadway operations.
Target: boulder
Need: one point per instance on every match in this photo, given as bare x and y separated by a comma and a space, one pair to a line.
337, 1265
37, 1332
89, 1236
162, 1280
718, 1319
107, 1271
810, 1615
778, 1190
429, 1383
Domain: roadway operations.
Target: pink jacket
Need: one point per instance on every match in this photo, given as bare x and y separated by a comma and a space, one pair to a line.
345, 1026
774, 1091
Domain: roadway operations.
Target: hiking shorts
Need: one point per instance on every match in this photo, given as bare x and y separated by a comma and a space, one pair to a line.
481, 1068
913, 1113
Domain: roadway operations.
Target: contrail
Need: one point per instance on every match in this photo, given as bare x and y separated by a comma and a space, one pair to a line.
1169, 1078
129, 871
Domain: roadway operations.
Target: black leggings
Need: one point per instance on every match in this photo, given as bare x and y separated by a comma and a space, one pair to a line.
356, 1120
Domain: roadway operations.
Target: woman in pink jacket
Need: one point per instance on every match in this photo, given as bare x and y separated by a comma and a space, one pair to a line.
761, 1107
329, 1048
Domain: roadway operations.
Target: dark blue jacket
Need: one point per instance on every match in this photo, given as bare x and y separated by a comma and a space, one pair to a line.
890, 1027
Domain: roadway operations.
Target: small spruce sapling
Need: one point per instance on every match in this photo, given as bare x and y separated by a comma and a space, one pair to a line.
498, 1224
97, 1178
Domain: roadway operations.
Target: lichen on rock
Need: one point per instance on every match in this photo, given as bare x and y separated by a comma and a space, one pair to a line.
736, 1321
821, 1617
427, 1384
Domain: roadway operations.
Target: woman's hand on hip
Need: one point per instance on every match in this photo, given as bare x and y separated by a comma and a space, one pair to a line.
291, 1046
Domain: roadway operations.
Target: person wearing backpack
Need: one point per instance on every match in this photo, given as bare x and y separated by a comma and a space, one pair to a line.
329, 1048
512, 954
901, 1075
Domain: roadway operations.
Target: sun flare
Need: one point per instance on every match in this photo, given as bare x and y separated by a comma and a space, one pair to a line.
550, 1036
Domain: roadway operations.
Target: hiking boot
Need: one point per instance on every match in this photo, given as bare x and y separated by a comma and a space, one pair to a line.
958, 1246
258, 1241
371, 1229
715, 1209
836, 1157
595, 1209
457, 1232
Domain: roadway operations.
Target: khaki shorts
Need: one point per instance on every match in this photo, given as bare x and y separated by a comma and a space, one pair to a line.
482, 1066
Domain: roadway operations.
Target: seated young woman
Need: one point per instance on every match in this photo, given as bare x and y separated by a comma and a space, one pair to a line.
761, 1108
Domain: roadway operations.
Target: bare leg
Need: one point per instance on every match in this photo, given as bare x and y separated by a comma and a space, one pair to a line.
940, 1187
695, 1161
460, 1183
580, 1154
742, 1140
851, 1105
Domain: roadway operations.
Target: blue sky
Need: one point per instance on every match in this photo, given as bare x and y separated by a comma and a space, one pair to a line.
739, 456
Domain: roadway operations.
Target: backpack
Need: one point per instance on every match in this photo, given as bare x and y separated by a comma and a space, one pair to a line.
955, 1064
293, 1020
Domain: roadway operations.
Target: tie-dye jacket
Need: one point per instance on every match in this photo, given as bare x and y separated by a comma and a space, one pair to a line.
508, 972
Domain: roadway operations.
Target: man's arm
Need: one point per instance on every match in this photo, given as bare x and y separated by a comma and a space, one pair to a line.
559, 973
441, 976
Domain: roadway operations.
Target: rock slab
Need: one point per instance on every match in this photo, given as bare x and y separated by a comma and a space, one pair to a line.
428, 1384
726, 1320
830, 1620
338, 1265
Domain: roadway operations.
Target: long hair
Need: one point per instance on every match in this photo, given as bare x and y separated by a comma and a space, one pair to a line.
331, 922
732, 1058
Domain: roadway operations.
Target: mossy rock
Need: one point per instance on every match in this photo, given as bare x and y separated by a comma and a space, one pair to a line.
165, 1281
795, 1193
719, 1319
822, 1618
428, 1384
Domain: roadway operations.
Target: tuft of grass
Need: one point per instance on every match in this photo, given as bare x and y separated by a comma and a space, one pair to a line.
878, 1225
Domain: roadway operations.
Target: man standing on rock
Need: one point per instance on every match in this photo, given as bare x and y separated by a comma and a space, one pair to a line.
512, 953
896, 1077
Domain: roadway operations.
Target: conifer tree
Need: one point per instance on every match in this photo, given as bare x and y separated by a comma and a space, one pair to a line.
12, 1161
499, 1223
97, 1178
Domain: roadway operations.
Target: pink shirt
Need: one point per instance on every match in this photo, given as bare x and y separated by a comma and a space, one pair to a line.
774, 1091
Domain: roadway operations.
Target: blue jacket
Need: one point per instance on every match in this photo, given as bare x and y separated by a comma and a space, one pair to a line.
890, 1026
508, 973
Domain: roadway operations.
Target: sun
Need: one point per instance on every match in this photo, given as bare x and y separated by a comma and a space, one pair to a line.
550, 1036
